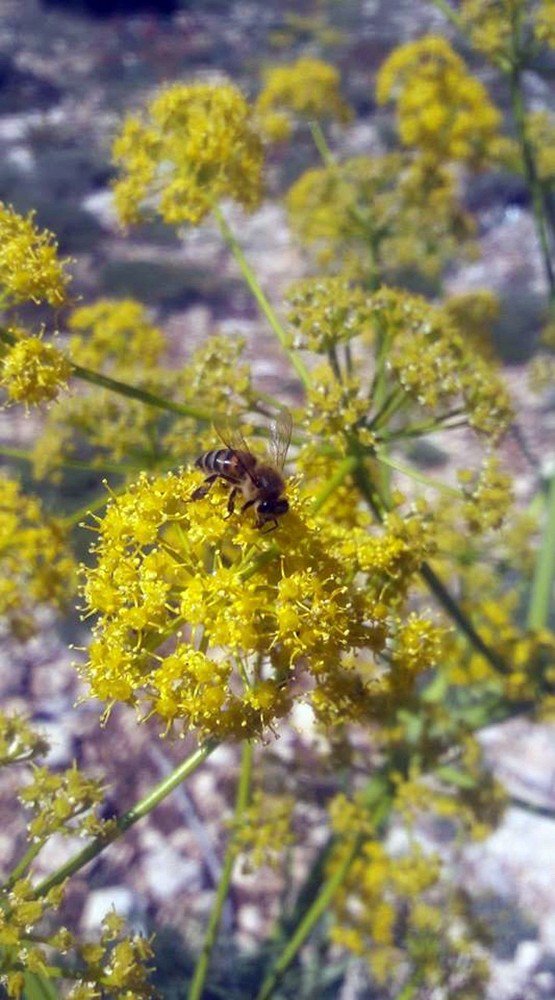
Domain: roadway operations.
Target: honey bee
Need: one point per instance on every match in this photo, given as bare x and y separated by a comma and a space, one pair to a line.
261, 483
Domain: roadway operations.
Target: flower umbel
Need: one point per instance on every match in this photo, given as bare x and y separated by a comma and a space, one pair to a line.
30, 269
308, 88
442, 110
194, 145
207, 623
32, 370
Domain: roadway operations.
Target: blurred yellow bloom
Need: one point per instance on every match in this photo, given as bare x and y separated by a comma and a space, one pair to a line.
441, 109
372, 215
36, 565
194, 145
308, 88
30, 269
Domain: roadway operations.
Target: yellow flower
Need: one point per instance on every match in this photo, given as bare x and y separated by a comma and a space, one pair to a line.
36, 565
30, 269
112, 332
243, 610
544, 26
540, 126
405, 210
308, 88
472, 314
441, 109
325, 312
436, 367
32, 371
263, 832
194, 145
488, 499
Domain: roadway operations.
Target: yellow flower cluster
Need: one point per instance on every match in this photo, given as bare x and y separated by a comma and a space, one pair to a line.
58, 800
441, 109
493, 24
335, 407
33, 371
117, 338
544, 23
488, 497
37, 566
194, 145
436, 367
18, 743
540, 127
114, 968
472, 314
245, 610
308, 88
392, 909
111, 334
325, 312
30, 269
488, 24
263, 832
376, 215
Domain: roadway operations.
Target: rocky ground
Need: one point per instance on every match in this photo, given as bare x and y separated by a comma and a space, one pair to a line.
64, 81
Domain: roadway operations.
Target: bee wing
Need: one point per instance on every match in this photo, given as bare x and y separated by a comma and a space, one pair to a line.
229, 432
281, 428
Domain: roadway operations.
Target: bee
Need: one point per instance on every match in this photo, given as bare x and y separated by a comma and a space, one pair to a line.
261, 483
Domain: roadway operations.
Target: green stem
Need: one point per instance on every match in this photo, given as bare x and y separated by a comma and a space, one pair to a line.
450, 14
418, 430
137, 812
254, 286
319, 140
455, 612
20, 455
542, 583
417, 476
528, 158
241, 803
123, 388
344, 469
389, 406
23, 864
309, 921
363, 224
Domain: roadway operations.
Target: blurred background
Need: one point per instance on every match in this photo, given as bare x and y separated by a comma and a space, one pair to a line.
68, 72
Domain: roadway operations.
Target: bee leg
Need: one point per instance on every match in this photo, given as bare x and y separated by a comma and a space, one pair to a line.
246, 505
231, 501
272, 525
202, 490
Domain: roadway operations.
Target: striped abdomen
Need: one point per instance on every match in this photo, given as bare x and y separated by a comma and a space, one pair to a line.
226, 462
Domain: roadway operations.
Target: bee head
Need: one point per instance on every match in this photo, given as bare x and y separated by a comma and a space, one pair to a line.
273, 507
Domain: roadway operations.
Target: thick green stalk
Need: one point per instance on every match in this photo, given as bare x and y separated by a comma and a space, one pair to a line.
241, 803
309, 921
254, 286
542, 583
137, 812
124, 389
